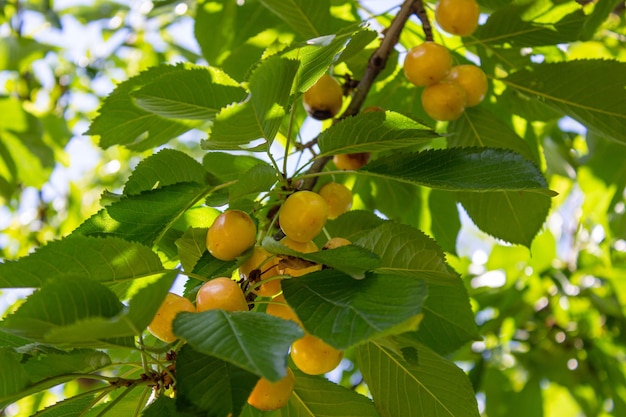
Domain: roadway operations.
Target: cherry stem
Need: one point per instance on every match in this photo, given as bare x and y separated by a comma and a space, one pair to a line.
375, 65
420, 12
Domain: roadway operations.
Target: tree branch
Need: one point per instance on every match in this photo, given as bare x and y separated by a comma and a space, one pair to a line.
376, 64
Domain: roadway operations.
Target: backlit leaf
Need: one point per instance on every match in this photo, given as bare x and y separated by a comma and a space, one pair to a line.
308, 18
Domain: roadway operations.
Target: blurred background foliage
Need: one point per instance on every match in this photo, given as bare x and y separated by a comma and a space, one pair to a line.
552, 318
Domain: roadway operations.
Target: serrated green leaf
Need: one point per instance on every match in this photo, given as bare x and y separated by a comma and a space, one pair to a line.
360, 309
255, 342
351, 225
270, 86
257, 179
106, 260
373, 132
125, 406
235, 128
308, 18
61, 302
195, 93
513, 216
13, 376
121, 122
350, 259
48, 365
164, 406
435, 386
314, 396
143, 217
404, 250
191, 246
509, 25
479, 127
128, 323
68, 407
596, 102
165, 167
448, 321
209, 385
462, 169
228, 167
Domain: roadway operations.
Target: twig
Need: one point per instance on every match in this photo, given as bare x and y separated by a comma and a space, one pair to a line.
375, 65
420, 12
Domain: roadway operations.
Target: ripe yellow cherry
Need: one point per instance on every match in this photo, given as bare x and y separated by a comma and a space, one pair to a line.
427, 64
161, 324
221, 293
230, 235
297, 267
444, 100
457, 17
473, 80
303, 215
267, 396
324, 99
338, 197
313, 356
351, 161
336, 242
266, 266
279, 308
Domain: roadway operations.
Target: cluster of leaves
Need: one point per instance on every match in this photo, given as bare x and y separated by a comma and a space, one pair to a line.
392, 299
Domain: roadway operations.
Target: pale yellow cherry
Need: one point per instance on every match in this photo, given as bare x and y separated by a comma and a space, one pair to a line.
265, 266
473, 80
221, 293
457, 17
313, 356
444, 101
324, 99
268, 396
338, 197
427, 64
303, 215
351, 161
336, 242
161, 325
230, 235
297, 267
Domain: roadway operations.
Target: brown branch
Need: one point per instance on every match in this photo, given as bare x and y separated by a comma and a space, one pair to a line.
420, 12
375, 65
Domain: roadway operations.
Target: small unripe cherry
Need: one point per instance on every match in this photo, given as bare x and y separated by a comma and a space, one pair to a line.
351, 161
221, 293
161, 325
268, 396
324, 99
473, 80
457, 17
303, 215
427, 64
230, 235
338, 197
444, 101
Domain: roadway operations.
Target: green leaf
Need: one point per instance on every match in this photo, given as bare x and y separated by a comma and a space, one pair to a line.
510, 26
72, 406
206, 384
373, 132
143, 217
270, 86
13, 376
444, 219
314, 396
191, 246
448, 321
350, 259
106, 260
596, 102
435, 386
164, 406
351, 225
254, 181
462, 169
195, 93
61, 302
255, 342
345, 312
513, 216
235, 128
228, 167
121, 122
165, 167
47, 365
129, 322
479, 127
404, 250
308, 18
